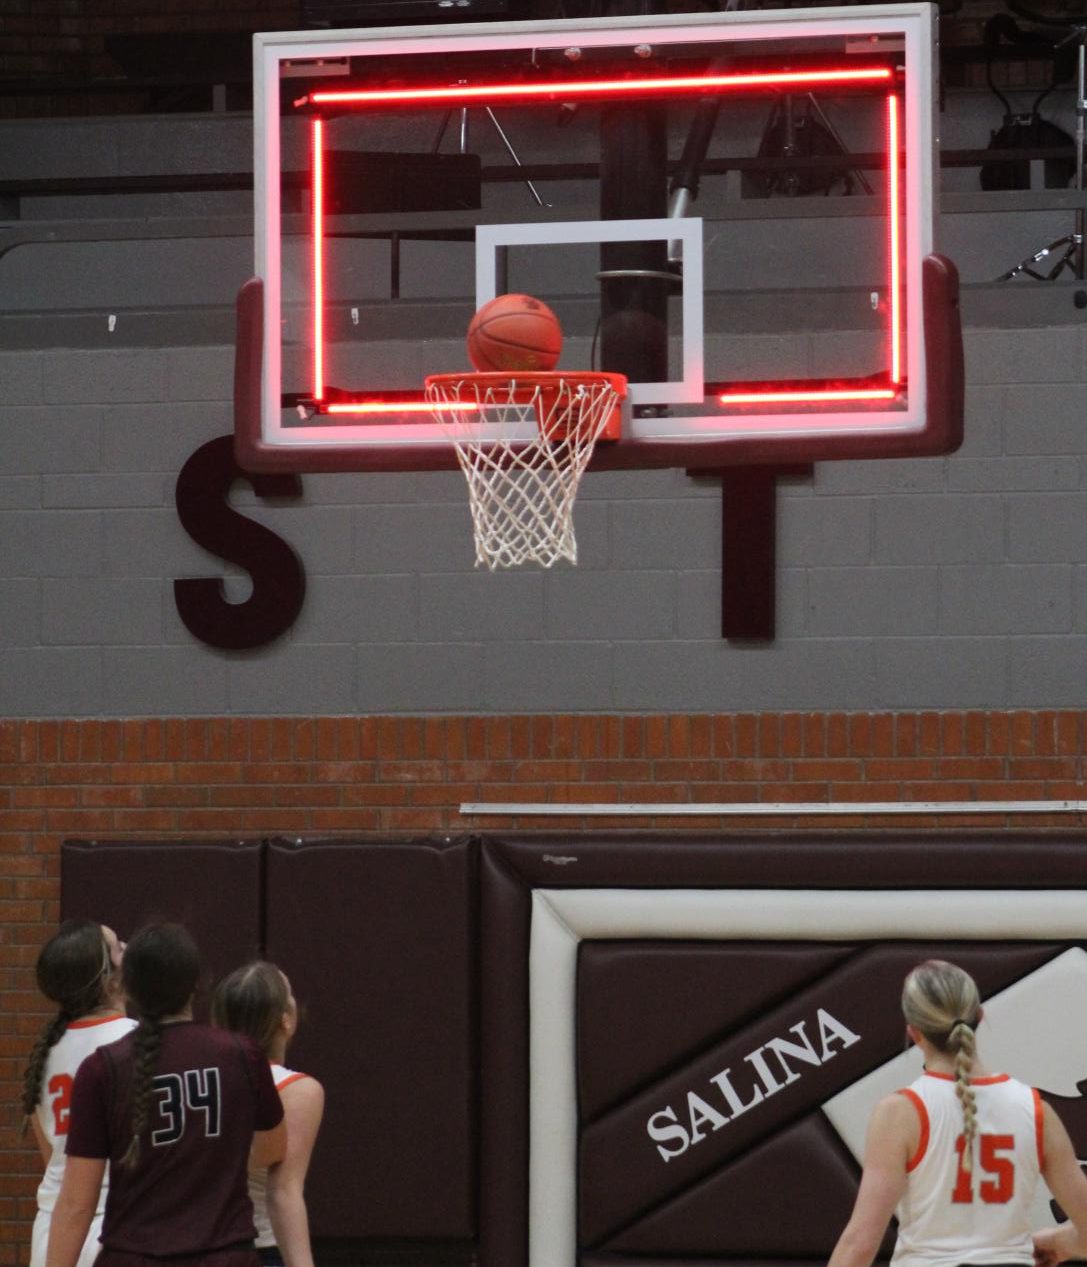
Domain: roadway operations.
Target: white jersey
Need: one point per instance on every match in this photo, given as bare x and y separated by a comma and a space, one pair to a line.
258, 1179
64, 1058
950, 1215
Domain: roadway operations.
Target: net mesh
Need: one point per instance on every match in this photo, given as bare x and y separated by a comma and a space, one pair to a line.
523, 446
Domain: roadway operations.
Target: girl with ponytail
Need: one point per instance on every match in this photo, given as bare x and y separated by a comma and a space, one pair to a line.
78, 969
958, 1154
174, 1108
256, 1000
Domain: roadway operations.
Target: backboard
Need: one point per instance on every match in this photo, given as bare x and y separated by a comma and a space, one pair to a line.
735, 210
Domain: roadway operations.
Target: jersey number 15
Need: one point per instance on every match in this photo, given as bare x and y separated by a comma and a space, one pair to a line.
998, 1173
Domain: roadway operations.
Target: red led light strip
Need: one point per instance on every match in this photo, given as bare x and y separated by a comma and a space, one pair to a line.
318, 261
586, 88
399, 407
771, 397
893, 213
568, 89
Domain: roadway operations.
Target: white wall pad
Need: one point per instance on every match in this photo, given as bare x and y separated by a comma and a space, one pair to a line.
563, 917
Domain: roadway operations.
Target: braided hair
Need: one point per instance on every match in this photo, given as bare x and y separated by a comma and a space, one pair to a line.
161, 969
74, 971
252, 1001
941, 1001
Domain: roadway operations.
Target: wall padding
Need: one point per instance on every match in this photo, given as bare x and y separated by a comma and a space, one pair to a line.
213, 889
378, 939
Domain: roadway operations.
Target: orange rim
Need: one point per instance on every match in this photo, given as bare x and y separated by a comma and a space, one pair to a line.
548, 383
545, 380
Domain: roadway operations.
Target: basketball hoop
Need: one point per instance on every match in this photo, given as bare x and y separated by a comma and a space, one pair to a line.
523, 442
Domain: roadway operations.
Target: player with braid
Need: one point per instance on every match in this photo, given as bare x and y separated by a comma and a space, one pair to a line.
78, 969
958, 1154
174, 1108
257, 1000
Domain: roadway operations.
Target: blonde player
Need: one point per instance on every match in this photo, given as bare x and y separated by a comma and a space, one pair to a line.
959, 1153
78, 969
256, 1000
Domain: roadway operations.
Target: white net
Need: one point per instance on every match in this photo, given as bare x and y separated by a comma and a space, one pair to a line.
523, 445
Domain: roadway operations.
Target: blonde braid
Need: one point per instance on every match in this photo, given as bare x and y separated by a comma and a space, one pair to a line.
941, 1001
960, 1041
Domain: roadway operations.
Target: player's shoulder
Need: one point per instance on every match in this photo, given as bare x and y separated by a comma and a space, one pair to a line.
1018, 1083
116, 1037
1027, 1095
305, 1088
900, 1106
900, 1115
295, 1084
1003, 1085
116, 1030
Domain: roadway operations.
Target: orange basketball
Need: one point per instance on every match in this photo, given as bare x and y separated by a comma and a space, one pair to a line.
514, 332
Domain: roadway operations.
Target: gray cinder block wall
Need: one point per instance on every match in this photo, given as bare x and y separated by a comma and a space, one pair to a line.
957, 582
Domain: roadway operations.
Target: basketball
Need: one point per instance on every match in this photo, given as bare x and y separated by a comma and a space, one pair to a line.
514, 332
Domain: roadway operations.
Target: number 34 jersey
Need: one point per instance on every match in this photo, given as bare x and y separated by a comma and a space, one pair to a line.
951, 1214
187, 1192
65, 1056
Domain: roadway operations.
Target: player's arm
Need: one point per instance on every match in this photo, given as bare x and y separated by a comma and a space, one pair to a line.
893, 1134
269, 1143
303, 1107
268, 1147
76, 1204
1065, 1179
87, 1148
39, 1135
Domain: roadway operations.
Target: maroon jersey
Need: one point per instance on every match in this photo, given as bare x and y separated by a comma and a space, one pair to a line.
187, 1191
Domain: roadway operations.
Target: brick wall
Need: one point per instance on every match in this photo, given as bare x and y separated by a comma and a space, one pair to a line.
226, 777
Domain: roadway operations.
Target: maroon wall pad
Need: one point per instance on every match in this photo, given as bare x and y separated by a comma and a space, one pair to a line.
410, 961
213, 889
378, 940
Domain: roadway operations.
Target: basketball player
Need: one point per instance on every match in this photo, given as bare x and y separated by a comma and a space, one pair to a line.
256, 1000
959, 1152
174, 1108
78, 969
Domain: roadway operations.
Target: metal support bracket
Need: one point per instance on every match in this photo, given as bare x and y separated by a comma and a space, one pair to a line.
749, 548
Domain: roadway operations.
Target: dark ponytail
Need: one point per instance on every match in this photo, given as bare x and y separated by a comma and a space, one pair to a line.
74, 971
35, 1066
146, 1042
161, 970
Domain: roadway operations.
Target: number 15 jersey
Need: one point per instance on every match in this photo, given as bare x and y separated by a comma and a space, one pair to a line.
952, 1215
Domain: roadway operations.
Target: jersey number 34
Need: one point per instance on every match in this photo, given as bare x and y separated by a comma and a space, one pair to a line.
195, 1091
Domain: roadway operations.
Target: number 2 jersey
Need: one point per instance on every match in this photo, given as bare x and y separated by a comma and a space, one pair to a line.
950, 1215
54, 1108
187, 1192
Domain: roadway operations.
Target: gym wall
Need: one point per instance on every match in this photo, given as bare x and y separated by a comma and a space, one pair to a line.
932, 618
616, 1047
